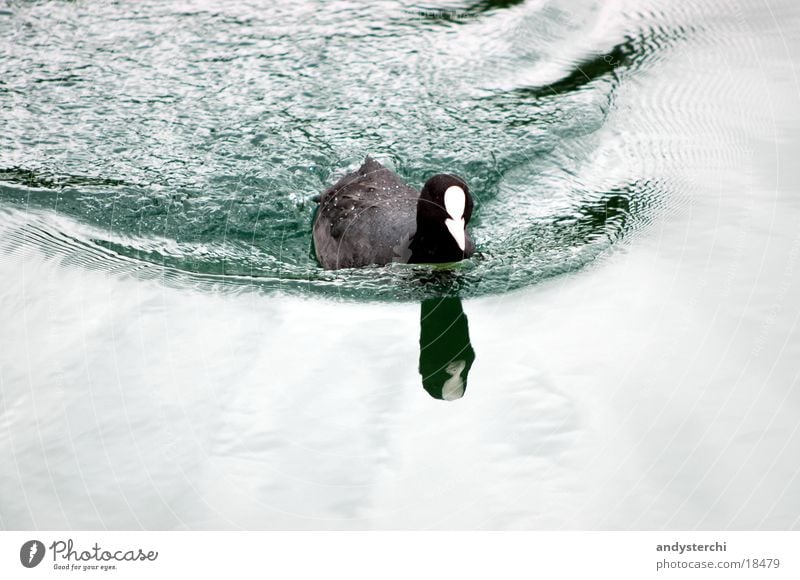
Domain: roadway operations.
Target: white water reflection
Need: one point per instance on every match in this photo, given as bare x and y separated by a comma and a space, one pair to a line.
657, 388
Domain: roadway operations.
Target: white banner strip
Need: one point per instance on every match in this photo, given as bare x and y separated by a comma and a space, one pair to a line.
400, 555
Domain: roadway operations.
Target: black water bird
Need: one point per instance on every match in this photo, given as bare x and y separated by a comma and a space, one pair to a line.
371, 216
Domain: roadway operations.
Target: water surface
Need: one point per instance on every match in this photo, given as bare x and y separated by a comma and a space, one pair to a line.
622, 353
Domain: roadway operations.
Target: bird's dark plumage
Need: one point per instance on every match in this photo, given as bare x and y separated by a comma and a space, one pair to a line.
371, 216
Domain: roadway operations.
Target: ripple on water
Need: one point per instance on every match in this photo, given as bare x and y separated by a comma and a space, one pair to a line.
197, 169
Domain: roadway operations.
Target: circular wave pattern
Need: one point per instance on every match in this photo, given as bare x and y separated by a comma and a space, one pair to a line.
185, 145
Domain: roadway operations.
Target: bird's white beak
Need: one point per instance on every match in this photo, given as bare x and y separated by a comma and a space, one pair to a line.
457, 230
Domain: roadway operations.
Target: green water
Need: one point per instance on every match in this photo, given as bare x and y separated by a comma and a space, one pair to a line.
193, 140
621, 352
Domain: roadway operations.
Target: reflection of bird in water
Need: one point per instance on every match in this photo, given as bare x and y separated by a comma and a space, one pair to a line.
453, 387
445, 352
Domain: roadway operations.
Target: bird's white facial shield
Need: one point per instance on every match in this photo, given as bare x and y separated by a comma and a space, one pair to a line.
454, 202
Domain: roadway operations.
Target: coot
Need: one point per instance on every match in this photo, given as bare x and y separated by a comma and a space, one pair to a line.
371, 216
